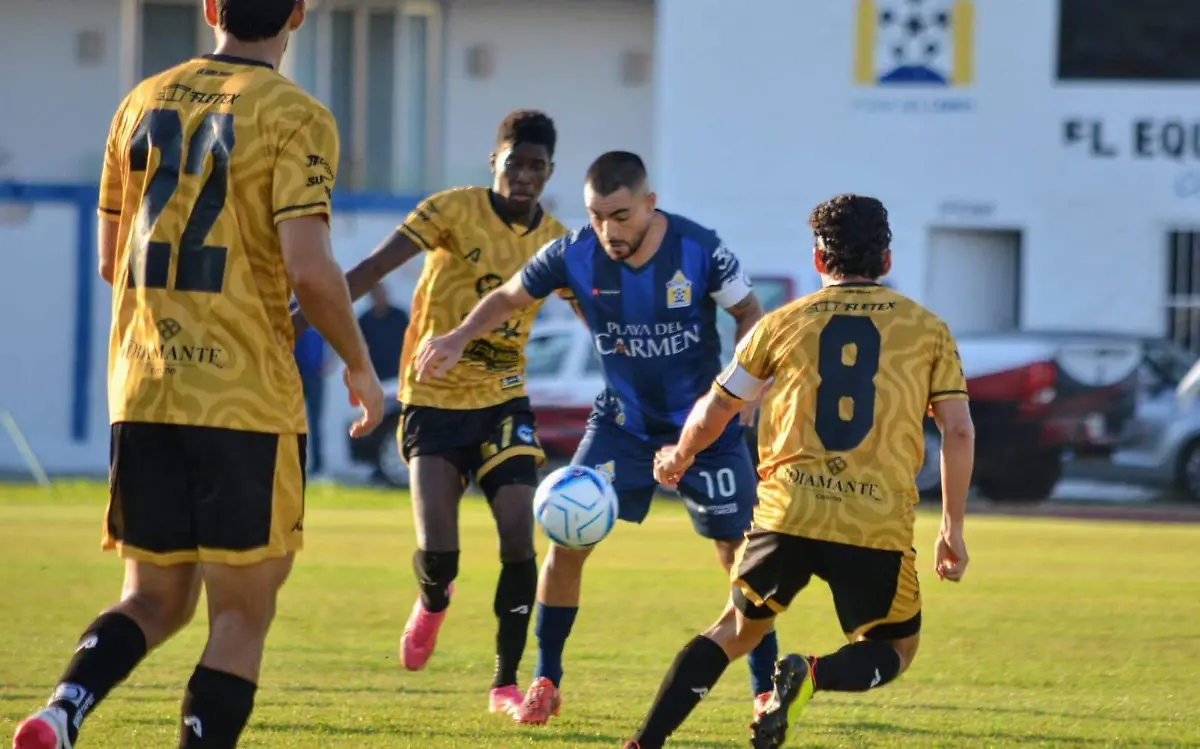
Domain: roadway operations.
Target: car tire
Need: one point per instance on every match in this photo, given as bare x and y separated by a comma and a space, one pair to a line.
1031, 480
929, 477
1187, 472
389, 465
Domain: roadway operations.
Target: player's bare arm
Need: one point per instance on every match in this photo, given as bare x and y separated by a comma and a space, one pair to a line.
958, 459
438, 354
393, 252
106, 244
321, 290
746, 315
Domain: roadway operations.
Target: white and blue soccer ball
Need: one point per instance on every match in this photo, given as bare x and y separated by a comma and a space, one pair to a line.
576, 507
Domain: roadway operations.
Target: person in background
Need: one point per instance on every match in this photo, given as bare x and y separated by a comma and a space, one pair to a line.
383, 327
311, 359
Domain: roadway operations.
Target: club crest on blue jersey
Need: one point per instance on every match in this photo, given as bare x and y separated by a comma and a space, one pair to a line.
679, 291
608, 470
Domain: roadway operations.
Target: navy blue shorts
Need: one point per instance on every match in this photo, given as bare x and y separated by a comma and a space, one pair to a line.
719, 489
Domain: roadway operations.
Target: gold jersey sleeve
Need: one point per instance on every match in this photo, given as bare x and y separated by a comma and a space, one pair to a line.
202, 162
853, 370
470, 251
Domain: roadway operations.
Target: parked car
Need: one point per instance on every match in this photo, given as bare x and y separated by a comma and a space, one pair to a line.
1161, 447
1035, 396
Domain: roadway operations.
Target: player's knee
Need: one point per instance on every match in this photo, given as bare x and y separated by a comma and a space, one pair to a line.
907, 650
727, 552
161, 613
435, 567
565, 562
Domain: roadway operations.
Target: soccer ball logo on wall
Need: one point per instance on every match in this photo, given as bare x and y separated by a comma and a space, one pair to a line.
915, 42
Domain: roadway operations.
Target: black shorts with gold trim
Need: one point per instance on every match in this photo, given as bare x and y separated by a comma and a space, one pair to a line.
182, 494
875, 591
477, 442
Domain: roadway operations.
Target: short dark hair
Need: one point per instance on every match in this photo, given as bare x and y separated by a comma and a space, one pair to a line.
528, 126
254, 20
616, 169
852, 235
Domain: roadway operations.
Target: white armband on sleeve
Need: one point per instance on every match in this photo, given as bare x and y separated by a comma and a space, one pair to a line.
732, 291
739, 383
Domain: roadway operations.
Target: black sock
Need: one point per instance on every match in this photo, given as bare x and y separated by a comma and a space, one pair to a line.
515, 593
695, 671
110, 648
215, 709
435, 571
857, 667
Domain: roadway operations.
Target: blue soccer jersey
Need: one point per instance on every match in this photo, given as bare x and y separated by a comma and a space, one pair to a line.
654, 326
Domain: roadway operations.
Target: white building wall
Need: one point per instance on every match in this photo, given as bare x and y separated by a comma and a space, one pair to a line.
563, 56
56, 110
758, 134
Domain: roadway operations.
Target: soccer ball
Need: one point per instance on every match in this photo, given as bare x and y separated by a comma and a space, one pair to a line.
576, 507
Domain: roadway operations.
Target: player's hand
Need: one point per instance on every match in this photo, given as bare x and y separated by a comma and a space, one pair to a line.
367, 393
669, 466
950, 554
438, 355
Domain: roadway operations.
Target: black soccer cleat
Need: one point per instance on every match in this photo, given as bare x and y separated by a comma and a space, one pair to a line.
793, 688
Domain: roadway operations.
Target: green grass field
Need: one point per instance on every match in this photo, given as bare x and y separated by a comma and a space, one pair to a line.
1065, 634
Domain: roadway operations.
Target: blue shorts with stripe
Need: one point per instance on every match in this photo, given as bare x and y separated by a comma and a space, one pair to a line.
719, 489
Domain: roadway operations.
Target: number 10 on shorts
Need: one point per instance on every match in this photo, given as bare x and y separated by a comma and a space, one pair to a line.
725, 483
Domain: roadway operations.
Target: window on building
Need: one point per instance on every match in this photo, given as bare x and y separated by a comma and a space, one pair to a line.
1183, 289
373, 64
1121, 40
170, 33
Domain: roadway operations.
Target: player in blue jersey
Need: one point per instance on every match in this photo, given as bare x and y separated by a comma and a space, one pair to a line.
647, 284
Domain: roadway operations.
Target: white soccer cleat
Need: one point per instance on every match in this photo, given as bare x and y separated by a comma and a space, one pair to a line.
45, 729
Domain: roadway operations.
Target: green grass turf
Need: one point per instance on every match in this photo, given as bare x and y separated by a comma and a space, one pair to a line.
1065, 634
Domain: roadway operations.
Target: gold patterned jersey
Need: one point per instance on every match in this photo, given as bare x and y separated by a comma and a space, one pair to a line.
471, 250
855, 368
202, 162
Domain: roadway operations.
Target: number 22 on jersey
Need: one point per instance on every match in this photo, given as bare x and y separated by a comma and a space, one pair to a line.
847, 362
200, 267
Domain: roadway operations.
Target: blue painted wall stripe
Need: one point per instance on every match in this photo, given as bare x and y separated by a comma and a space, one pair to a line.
83, 197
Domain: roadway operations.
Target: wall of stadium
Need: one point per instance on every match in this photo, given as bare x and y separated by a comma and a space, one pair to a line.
584, 61
762, 114
53, 383
578, 59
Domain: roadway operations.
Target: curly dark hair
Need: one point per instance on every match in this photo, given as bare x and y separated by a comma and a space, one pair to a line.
527, 126
253, 20
852, 235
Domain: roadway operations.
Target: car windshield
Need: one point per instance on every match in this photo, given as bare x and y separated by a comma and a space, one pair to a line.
546, 354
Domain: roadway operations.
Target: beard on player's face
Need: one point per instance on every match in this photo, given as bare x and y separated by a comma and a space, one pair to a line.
622, 248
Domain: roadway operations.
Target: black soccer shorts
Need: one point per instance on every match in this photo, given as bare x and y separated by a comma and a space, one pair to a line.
184, 494
875, 591
480, 442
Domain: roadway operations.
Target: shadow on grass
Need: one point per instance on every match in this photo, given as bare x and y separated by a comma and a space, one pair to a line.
995, 738
1032, 712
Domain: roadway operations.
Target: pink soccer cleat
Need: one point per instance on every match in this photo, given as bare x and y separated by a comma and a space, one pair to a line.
420, 635
760, 704
45, 729
542, 702
504, 700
